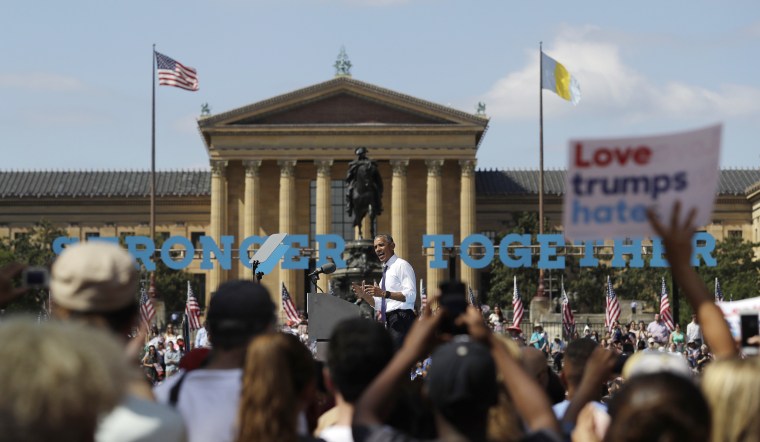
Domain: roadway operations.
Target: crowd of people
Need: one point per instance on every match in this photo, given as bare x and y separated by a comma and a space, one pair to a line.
622, 338
81, 377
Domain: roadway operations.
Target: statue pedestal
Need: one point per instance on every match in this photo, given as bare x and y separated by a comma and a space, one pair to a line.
361, 265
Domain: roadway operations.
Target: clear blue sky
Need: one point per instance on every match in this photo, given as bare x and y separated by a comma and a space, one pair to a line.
75, 77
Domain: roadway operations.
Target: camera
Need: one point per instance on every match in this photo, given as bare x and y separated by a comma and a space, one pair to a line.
454, 300
35, 278
749, 328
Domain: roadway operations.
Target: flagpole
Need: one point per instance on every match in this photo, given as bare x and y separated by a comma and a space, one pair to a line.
153, 152
540, 291
675, 306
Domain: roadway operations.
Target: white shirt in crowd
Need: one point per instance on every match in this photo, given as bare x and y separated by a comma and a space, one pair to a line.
337, 433
137, 419
201, 338
208, 402
399, 277
693, 332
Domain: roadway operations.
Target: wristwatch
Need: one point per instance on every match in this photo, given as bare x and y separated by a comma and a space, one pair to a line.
387, 295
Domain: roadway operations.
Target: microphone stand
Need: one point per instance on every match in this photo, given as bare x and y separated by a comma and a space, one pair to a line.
314, 278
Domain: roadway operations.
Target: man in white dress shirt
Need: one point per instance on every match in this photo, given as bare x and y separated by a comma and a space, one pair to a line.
396, 294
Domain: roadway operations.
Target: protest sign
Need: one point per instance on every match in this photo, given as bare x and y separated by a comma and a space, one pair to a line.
611, 182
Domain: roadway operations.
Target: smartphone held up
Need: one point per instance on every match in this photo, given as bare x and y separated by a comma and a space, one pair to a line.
35, 278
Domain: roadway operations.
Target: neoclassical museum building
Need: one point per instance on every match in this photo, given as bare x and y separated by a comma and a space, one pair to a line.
280, 165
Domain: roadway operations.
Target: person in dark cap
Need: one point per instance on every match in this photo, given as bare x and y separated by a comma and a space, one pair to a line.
461, 384
208, 397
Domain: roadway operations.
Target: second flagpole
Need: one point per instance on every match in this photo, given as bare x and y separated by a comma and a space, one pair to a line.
540, 290
153, 150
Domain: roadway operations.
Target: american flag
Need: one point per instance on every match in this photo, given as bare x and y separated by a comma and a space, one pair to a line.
44, 313
471, 297
665, 315
568, 320
192, 309
517, 306
174, 73
718, 291
423, 295
147, 312
288, 306
612, 312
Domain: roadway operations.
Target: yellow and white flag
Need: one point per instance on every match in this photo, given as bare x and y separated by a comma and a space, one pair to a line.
556, 78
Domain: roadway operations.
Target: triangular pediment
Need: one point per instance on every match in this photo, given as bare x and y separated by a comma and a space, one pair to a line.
342, 108
341, 101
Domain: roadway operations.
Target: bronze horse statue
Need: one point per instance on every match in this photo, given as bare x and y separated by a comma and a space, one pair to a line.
365, 191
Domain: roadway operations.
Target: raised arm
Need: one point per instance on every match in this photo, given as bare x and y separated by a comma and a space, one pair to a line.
597, 371
677, 237
376, 401
530, 400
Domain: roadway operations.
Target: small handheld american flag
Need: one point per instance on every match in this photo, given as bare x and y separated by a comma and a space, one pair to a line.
517, 306
718, 291
612, 312
423, 295
147, 311
568, 319
289, 307
192, 309
473, 300
665, 315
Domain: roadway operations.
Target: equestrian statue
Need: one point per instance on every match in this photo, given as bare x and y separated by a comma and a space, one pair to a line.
364, 192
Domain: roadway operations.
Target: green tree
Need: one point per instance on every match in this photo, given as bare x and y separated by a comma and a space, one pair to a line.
33, 248
171, 285
585, 286
501, 280
737, 269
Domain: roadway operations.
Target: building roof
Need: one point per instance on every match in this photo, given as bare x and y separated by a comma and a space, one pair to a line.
93, 184
518, 182
525, 182
337, 84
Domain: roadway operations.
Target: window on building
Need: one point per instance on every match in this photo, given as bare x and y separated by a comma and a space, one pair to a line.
735, 234
91, 235
20, 236
161, 237
342, 224
490, 234
195, 238
701, 242
123, 237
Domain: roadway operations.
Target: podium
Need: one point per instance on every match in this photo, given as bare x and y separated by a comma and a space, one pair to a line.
325, 312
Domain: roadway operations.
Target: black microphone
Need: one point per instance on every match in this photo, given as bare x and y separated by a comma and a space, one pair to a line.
326, 269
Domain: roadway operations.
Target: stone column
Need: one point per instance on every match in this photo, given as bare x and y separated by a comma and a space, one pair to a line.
218, 215
252, 217
434, 217
468, 275
287, 219
324, 208
398, 207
